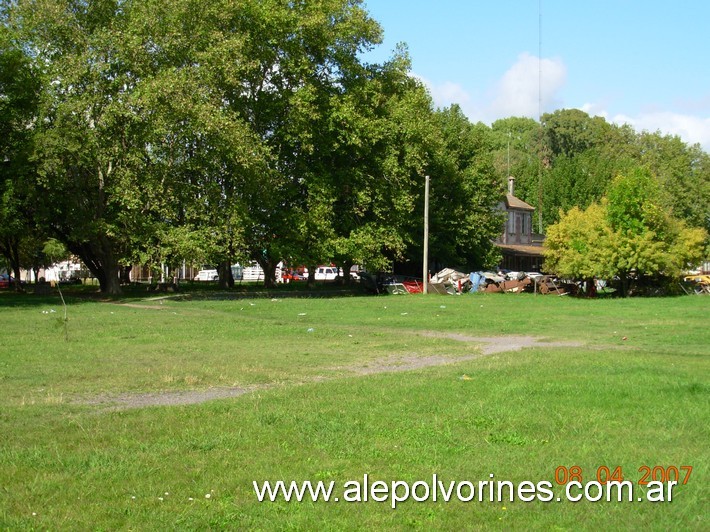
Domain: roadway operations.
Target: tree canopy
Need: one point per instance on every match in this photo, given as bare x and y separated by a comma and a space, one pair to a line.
248, 130
159, 131
626, 236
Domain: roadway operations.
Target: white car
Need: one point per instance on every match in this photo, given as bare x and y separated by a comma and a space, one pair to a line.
326, 273
207, 275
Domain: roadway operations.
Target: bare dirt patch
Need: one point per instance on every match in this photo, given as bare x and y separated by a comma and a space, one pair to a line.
140, 305
499, 344
484, 346
176, 398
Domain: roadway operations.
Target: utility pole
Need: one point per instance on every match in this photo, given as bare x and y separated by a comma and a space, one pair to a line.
425, 272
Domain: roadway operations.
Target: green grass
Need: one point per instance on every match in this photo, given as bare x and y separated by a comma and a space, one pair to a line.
518, 415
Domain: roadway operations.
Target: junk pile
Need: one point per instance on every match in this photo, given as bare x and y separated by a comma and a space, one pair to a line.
381, 283
549, 284
698, 284
449, 281
453, 282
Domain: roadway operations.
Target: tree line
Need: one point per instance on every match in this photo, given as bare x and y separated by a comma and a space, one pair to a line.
158, 132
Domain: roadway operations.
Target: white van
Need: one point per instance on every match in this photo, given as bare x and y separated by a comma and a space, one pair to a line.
207, 275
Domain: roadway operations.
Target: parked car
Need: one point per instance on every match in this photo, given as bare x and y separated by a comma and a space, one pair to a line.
6, 281
326, 273
207, 275
292, 275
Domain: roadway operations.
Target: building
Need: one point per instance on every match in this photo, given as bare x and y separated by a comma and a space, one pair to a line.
521, 248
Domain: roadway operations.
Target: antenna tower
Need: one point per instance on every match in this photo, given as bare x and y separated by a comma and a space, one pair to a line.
539, 115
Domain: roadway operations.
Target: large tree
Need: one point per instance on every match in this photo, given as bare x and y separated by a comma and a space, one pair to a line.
18, 111
683, 175
384, 134
465, 191
627, 236
135, 142
303, 66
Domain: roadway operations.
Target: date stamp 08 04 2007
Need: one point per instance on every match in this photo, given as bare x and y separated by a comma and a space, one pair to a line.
604, 474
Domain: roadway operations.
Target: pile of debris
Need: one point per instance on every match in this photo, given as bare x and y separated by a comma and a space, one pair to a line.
514, 282
549, 284
698, 284
449, 281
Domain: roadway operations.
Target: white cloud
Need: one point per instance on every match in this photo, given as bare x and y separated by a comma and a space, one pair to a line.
593, 109
449, 92
517, 93
528, 84
691, 129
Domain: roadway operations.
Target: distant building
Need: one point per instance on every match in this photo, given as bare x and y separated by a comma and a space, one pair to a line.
521, 248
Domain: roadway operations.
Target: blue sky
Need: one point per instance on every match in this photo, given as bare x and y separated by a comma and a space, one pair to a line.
642, 62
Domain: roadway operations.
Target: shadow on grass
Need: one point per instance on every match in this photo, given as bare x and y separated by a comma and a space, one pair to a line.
76, 294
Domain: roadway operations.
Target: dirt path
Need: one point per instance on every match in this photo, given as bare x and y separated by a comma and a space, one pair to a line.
487, 345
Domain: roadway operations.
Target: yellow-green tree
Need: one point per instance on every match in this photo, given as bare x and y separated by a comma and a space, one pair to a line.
627, 236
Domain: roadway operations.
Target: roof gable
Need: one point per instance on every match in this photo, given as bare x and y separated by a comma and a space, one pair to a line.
511, 202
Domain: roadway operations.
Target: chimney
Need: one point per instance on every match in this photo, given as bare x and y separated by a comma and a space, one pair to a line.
511, 185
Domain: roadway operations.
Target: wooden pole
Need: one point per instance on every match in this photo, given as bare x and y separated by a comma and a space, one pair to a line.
425, 271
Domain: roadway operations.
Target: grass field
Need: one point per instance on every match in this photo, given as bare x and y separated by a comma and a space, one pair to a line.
81, 447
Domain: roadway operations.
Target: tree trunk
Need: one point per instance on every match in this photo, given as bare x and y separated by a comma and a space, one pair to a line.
311, 281
226, 279
347, 280
17, 281
125, 274
11, 250
624, 277
101, 261
112, 283
269, 267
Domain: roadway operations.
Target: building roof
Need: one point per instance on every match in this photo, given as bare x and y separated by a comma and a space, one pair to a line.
512, 202
522, 249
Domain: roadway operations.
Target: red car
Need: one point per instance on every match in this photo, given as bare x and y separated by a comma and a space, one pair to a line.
7, 280
292, 275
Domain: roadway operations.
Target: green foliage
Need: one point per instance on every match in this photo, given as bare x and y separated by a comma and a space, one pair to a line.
682, 173
54, 250
577, 181
464, 194
569, 132
632, 204
18, 105
626, 234
159, 132
571, 158
578, 245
